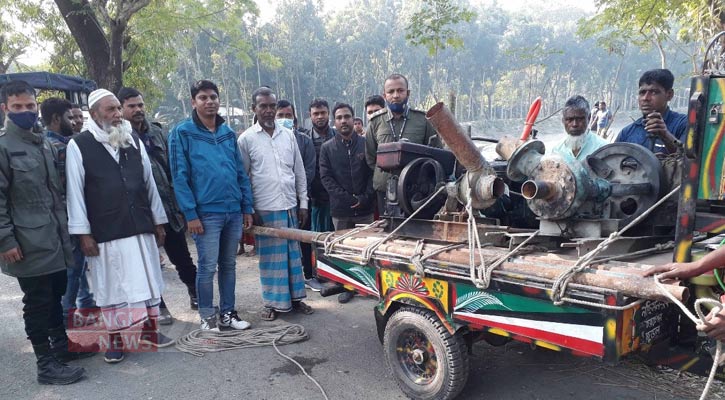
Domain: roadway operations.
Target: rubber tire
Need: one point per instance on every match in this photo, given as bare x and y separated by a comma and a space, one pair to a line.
451, 352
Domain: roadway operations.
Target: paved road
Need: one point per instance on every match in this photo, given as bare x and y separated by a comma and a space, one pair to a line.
342, 353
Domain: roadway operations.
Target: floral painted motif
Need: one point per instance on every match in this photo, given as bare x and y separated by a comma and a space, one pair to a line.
413, 284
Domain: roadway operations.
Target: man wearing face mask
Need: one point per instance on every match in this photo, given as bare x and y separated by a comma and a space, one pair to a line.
397, 121
57, 119
287, 118
35, 246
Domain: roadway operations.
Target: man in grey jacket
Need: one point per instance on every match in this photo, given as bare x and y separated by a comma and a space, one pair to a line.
35, 246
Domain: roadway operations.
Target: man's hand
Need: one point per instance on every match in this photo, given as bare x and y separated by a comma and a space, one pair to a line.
160, 235
656, 125
302, 216
714, 325
89, 247
196, 227
356, 205
248, 221
12, 255
676, 270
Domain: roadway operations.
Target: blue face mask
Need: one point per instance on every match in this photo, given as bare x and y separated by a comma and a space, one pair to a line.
24, 120
285, 122
397, 108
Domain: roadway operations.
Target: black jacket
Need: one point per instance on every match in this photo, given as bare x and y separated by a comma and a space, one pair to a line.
346, 176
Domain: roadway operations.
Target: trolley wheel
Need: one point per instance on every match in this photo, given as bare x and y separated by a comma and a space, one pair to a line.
425, 359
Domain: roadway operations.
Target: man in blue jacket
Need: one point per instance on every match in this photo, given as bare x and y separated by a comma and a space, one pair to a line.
213, 191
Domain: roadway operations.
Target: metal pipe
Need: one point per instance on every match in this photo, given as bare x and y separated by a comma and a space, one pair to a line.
506, 146
532, 189
457, 140
629, 283
489, 187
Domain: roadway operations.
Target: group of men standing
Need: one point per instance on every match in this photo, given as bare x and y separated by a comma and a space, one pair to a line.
94, 201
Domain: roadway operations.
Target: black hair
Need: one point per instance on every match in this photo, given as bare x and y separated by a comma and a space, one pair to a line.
286, 103
261, 91
662, 77
75, 105
319, 103
203, 85
342, 105
15, 88
52, 107
126, 93
375, 99
357, 119
396, 77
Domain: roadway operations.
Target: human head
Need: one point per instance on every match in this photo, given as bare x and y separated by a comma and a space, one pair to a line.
17, 101
575, 115
264, 106
320, 114
357, 123
373, 104
57, 116
286, 111
106, 113
132, 104
396, 92
77, 117
343, 114
655, 91
602, 106
205, 99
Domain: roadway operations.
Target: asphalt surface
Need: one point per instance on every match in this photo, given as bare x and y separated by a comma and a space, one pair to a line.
343, 354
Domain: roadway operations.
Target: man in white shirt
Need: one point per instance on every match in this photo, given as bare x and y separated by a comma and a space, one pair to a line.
115, 209
273, 162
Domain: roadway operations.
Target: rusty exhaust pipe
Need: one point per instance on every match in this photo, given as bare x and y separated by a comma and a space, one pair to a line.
532, 189
457, 139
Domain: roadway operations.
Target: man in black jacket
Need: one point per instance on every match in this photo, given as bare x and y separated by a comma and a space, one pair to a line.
346, 176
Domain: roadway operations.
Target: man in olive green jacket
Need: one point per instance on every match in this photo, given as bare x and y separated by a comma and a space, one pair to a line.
395, 122
35, 246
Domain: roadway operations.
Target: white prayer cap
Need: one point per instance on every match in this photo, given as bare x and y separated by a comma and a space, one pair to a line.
97, 95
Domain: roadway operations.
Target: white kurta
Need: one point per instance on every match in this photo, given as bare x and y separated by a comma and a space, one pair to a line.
126, 270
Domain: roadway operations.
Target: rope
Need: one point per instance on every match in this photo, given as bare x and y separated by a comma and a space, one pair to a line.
330, 244
370, 249
416, 259
699, 320
200, 342
561, 282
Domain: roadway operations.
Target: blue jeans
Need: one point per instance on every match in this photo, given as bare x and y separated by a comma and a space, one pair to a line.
217, 246
77, 293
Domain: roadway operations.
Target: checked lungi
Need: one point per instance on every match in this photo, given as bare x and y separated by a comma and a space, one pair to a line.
280, 266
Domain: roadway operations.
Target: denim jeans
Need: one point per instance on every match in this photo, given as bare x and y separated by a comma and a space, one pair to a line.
217, 246
77, 293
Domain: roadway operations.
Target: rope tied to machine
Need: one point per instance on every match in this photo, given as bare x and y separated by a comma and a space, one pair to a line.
558, 289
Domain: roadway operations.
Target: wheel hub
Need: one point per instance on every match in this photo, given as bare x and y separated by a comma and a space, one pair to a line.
418, 356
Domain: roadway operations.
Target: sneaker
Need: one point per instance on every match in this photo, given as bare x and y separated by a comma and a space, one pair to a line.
114, 354
313, 284
165, 317
209, 324
230, 320
345, 297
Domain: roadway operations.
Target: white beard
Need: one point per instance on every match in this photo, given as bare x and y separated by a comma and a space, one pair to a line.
574, 143
119, 136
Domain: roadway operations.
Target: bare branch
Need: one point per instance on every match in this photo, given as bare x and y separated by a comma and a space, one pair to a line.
130, 7
100, 8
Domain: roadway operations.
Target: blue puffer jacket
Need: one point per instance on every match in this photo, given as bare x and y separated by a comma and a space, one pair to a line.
207, 169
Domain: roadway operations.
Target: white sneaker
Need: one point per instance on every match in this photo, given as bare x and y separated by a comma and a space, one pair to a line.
230, 320
209, 324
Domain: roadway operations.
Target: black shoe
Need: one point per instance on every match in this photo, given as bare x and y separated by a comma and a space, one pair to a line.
114, 354
53, 372
345, 297
63, 349
165, 317
193, 300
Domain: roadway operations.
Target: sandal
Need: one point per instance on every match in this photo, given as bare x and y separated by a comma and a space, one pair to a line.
302, 308
269, 314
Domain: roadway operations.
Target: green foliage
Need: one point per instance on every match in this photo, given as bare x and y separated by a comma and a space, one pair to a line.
433, 26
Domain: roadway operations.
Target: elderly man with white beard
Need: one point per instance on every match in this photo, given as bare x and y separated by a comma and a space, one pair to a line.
579, 142
115, 210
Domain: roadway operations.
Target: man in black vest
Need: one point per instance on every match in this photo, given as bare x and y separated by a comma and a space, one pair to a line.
115, 209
